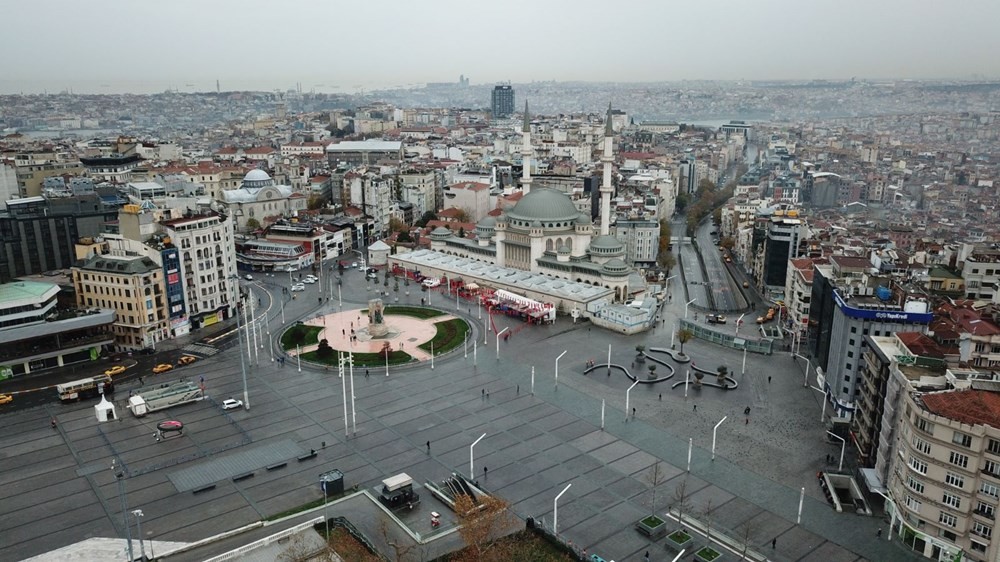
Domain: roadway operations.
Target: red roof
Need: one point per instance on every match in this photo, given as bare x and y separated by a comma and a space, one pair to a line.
972, 407
259, 150
921, 345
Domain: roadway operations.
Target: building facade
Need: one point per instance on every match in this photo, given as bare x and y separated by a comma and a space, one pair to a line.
502, 101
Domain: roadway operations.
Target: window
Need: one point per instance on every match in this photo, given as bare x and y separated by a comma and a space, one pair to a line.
990, 489
993, 446
918, 465
924, 425
962, 439
953, 479
951, 500
912, 504
947, 519
987, 510
992, 467
849, 367
984, 531
977, 547
921, 445
915, 485
958, 459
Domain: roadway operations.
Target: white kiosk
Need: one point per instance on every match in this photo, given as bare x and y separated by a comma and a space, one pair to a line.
105, 410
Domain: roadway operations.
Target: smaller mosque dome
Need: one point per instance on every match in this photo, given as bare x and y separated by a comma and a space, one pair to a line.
440, 232
606, 245
536, 224
564, 249
487, 222
584, 218
615, 267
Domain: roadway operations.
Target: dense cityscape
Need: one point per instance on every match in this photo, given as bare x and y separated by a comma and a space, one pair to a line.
557, 300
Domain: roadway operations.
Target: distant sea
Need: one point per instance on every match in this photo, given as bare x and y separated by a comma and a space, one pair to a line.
183, 86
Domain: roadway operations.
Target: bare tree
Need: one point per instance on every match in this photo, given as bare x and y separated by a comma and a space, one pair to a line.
484, 527
654, 477
300, 550
746, 531
707, 513
682, 500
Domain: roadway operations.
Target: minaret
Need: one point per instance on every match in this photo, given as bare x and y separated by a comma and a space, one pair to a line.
606, 187
526, 152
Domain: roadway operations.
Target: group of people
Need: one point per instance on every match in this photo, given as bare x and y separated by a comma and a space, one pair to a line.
590, 363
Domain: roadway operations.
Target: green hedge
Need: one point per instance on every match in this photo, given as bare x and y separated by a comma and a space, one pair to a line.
300, 334
362, 359
414, 311
450, 334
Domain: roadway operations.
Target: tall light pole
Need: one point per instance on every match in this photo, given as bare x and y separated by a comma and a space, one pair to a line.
472, 474
500, 333
555, 510
840, 467
343, 384
686, 307
715, 430
138, 524
120, 477
743, 371
557, 366
805, 376
243, 367
739, 322
666, 283
822, 413
354, 413
627, 395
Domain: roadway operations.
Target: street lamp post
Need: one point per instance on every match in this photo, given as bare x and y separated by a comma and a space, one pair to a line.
138, 524
555, 510
822, 413
714, 432
743, 371
557, 366
472, 474
486, 332
432, 355
739, 322
686, 307
805, 376
500, 333
298, 356
627, 396
243, 367
843, 443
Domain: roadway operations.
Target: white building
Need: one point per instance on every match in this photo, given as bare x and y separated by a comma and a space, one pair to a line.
259, 199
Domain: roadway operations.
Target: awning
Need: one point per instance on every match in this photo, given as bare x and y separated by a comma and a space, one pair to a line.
872, 481
472, 286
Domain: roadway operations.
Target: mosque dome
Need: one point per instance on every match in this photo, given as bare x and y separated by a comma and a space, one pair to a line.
487, 222
544, 204
606, 245
256, 179
584, 218
440, 232
615, 267
564, 249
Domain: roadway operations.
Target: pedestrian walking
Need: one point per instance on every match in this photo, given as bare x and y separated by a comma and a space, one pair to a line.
518, 389
748, 422
343, 333
695, 407
483, 393
367, 373
428, 447
485, 472
661, 397
646, 557
878, 534
633, 411
487, 395
768, 379
774, 542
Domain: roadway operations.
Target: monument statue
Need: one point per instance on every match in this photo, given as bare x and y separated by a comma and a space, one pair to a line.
376, 323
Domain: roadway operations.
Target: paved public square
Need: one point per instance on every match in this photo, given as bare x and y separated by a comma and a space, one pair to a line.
58, 488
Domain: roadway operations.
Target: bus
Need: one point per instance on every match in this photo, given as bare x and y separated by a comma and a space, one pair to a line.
85, 388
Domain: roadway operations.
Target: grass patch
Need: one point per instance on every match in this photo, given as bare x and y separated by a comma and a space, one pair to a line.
300, 334
450, 334
652, 521
708, 553
363, 359
414, 311
679, 537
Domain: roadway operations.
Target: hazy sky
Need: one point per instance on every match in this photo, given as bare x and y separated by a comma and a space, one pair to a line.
125, 44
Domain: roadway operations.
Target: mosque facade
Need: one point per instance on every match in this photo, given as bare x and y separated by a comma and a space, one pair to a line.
259, 198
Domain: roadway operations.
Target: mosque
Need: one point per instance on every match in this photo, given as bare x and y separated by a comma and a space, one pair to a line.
545, 233
258, 198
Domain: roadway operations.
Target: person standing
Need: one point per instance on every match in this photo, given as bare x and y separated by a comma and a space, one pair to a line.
428, 447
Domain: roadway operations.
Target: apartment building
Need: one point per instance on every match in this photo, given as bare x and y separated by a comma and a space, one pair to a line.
207, 264
798, 290
981, 271
944, 481
419, 189
133, 287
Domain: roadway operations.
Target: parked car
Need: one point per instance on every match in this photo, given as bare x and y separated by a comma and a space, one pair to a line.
746, 284
116, 370
308, 281
162, 368
298, 287
430, 283
187, 359
231, 404
249, 277
354, 264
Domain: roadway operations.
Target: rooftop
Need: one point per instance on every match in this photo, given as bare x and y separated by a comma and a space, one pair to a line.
26, 291
972, 407
360, 146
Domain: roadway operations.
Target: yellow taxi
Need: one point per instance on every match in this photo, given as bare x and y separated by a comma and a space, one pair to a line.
162, 368
187, 359
116, 370
5, 398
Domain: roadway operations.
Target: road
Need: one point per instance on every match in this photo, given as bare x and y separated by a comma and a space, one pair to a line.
688, 260
725, 294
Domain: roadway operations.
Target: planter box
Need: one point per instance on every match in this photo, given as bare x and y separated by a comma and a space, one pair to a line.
653, 527
679, 540
708, 554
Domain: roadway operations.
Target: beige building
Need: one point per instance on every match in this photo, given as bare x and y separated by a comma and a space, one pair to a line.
133, 287
944, 471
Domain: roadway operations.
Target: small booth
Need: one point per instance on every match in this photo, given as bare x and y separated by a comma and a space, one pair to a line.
105, 410
378, 254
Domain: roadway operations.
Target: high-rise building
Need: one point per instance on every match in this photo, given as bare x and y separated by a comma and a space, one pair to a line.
503, 101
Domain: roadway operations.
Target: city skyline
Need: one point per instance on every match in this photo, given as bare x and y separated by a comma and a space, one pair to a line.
190, 46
